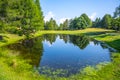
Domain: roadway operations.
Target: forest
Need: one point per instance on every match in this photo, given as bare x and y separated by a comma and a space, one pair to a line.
26, 17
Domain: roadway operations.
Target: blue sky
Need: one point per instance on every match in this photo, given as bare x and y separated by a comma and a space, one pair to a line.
62, 9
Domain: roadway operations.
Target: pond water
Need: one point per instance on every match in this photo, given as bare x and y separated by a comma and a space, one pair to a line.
63, 54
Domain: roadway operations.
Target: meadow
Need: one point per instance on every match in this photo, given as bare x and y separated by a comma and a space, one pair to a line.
13, 67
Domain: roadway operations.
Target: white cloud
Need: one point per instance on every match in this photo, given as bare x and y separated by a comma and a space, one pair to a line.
63, 19
93, 16
48, 43
49, 15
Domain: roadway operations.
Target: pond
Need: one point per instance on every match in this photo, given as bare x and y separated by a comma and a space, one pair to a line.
63, 55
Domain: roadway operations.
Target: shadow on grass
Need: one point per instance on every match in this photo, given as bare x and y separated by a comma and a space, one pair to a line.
94, 33
2, 39
115, 44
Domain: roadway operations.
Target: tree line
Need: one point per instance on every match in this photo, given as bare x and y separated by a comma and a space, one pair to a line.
108, 21
77, 23
82, 22
25, 17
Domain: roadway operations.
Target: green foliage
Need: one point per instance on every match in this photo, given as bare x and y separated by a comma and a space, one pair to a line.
24, 16
80, 41
81, 22
64, 25
51, 25
60, 26
3, 14
116, 24
117, 12
97, 23
88, 20
77, 23
107, 21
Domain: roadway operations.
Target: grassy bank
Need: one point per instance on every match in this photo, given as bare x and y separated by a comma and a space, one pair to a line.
112, 39
12, 67
9, 39
12, 38
88, 31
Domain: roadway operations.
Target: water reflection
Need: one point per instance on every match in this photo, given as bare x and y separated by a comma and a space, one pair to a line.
30, 50
81, 41
68, 53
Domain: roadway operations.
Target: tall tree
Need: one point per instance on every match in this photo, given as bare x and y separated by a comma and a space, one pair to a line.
66, 24
97, 23
117, 12
73, 23
51, 25
88, 20
23, 16
40, 13
116, 20
60, 26
116, 24
107, 21
78, 23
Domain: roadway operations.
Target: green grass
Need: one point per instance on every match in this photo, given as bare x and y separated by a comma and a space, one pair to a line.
111, 39
12, 38
12, 67
9, 39
85, 31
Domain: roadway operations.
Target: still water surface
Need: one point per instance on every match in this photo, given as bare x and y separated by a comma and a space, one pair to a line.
63, 53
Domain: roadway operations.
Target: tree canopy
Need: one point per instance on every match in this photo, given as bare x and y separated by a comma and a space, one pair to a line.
21, 16
81, 22
51, 25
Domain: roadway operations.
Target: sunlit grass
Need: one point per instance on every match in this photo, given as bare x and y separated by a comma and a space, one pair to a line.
85, 31
111, 39
10, 38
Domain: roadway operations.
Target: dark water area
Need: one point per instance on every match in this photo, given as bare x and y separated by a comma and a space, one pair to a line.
62, 54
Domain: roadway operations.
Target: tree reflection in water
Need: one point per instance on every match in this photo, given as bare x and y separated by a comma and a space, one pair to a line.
33, 51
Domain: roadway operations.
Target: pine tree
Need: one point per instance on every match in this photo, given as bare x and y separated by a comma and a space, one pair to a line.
51, 25
66, 24
21, 16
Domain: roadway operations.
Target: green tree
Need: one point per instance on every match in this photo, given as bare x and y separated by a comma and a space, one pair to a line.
97, 23
51, 25
60, 26
40, 14
78, 23
21, 16
116, 24
88, 20
117, 12
65, 25
116, 20
82, 24
73, 23
107, 21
